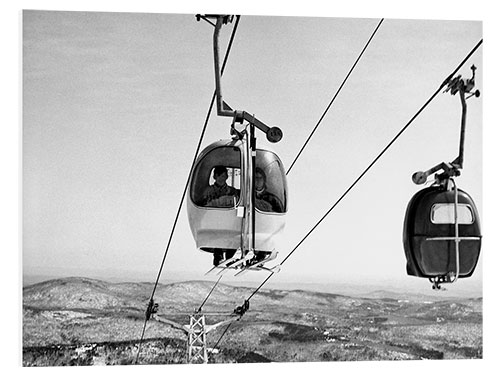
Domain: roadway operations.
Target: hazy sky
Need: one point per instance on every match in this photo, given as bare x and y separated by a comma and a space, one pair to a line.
113, 105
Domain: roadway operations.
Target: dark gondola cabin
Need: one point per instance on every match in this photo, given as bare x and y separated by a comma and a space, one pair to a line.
220, 195
437, 219
442, 235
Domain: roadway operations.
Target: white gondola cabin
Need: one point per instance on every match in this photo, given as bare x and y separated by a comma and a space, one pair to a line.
220, 209
237, 193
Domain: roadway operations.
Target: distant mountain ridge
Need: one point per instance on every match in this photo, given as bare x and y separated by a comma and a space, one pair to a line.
80, 292
91, 318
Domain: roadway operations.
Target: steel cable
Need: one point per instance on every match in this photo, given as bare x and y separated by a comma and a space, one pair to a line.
209, 294
314, 130
334, 97
362, 174
190, 172
223, 334
373, 162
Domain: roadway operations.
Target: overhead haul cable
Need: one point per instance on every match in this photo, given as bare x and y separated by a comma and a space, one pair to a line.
209, 294
187, 182
222, 335
335, 96
445, 82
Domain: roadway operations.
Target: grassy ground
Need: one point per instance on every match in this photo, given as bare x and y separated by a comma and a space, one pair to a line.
85, 322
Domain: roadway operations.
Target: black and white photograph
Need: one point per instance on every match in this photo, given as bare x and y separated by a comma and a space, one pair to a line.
253, 188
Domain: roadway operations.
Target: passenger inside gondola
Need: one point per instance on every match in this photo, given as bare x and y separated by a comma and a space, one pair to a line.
265, 200
220, 194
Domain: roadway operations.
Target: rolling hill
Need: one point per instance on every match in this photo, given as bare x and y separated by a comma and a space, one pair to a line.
80, 321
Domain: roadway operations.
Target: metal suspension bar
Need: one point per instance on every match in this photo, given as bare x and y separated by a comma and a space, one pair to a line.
452, 169
459, 161
273, 134
253, 150
221, 111
457, 236
463, 87
246, 239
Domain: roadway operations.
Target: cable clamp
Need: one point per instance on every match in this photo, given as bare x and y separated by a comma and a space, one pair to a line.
151, 309
241, 310
457, 84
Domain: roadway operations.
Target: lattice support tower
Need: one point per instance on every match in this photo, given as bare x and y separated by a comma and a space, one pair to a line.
197, 344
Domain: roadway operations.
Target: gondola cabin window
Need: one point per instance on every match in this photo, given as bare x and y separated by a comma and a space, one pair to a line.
224, 187
270, 183
444, 213
216, 180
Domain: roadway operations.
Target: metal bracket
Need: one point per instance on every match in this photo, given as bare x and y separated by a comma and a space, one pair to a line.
151, 309
458, 84
241, 310
448, 170
462, 86
273, 134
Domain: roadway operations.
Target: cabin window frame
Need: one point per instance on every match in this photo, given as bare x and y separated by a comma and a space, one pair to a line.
437, 206
195, 181
282, 183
